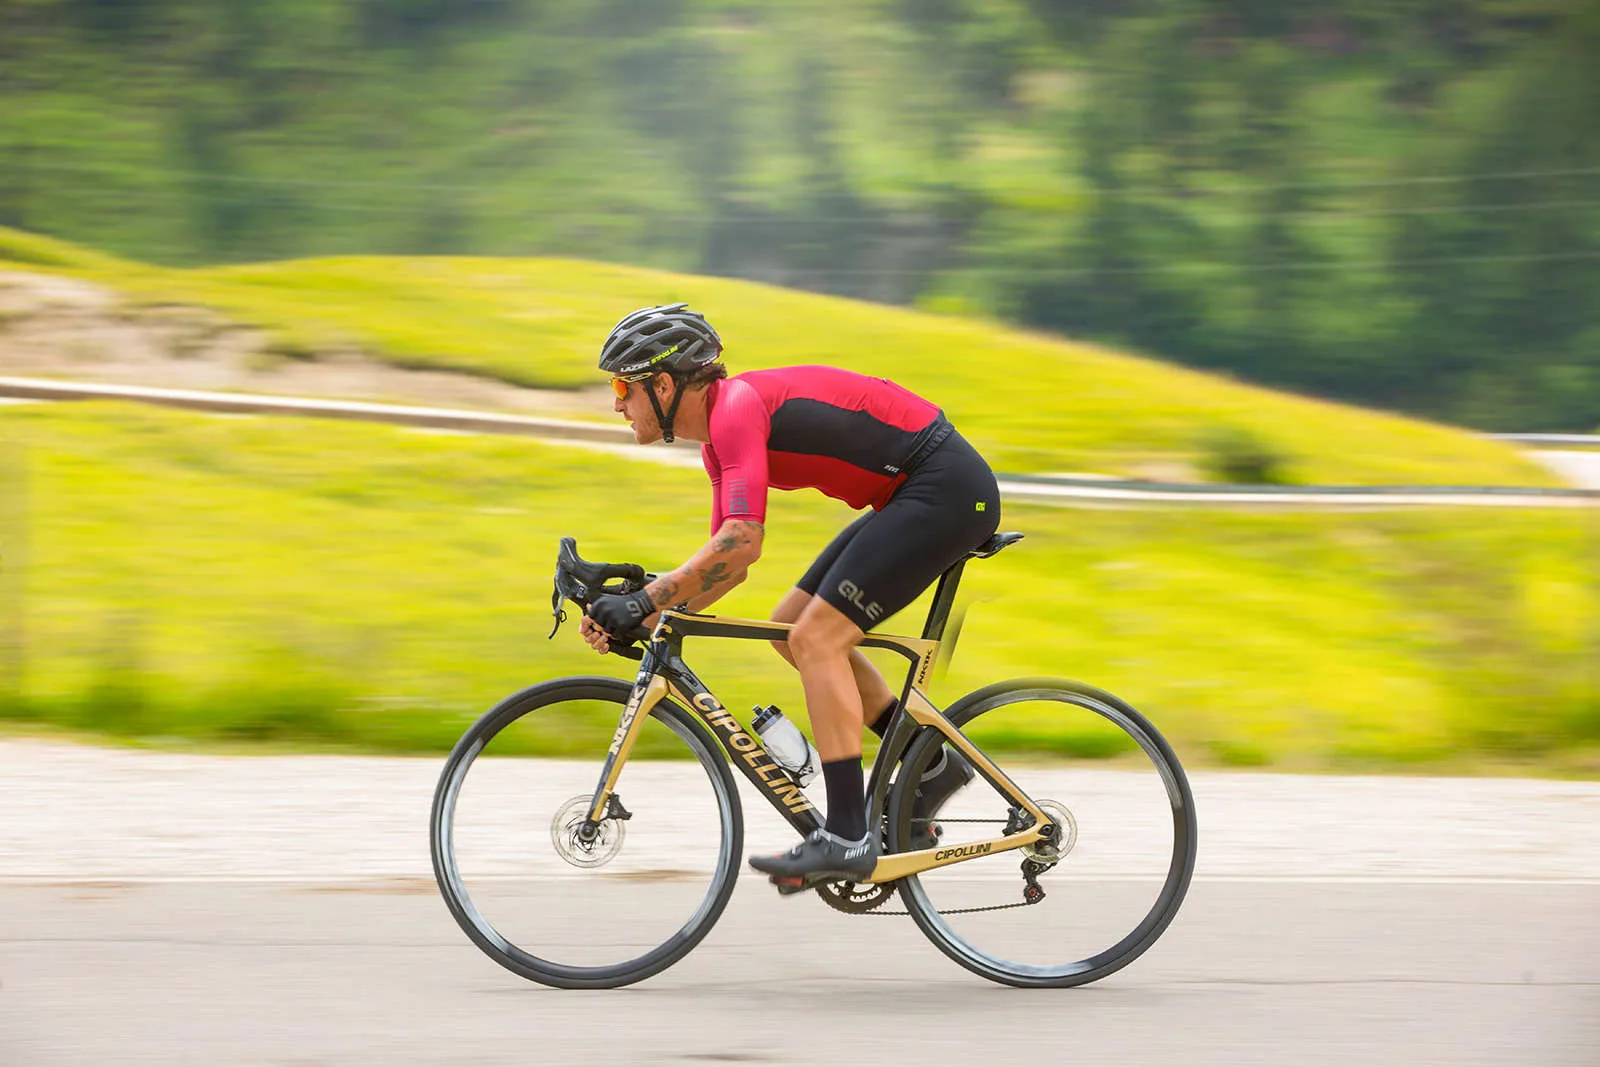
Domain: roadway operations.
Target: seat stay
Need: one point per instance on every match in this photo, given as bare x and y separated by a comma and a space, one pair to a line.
911, 715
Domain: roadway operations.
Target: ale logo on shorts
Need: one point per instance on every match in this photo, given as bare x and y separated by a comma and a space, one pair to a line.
852, 592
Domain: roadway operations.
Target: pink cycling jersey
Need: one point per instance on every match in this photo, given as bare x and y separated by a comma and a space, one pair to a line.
845, 434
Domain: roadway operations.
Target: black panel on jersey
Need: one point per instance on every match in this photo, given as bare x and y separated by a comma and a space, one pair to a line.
817, 428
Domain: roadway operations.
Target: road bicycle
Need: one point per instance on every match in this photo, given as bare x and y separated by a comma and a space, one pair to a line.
557, 879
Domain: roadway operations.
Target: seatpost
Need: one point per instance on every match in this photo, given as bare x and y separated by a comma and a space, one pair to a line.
943, 598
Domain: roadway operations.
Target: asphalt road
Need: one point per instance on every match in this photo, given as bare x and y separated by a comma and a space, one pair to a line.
1252, 973
163, 908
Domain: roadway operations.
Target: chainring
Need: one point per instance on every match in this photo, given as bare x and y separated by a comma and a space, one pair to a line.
855, 898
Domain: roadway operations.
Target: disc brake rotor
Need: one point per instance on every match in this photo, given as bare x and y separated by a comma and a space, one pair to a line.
593, 850
1067, 835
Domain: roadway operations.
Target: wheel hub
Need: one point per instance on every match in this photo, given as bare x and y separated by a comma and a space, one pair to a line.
582, 843
1050, 851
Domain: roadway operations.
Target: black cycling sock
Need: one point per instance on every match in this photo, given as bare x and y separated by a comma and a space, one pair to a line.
847, 802
880, 725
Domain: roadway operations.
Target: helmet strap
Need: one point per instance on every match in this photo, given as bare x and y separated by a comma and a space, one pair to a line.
665, 420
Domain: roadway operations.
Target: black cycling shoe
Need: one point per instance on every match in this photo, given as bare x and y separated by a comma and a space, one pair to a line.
821, 857
932, 792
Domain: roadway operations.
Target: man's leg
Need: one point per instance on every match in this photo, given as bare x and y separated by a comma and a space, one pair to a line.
870, 571
876, 696
947, 774
820, 645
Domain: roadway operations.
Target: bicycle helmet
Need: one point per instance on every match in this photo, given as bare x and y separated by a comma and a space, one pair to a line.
668, 337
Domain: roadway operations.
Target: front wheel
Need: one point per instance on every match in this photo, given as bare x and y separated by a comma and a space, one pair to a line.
1113, 879
585, 908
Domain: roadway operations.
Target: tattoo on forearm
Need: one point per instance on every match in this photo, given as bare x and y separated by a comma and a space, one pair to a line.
670, 589
711, 576
663, 591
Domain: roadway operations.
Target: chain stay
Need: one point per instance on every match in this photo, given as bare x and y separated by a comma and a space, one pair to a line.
1032, 892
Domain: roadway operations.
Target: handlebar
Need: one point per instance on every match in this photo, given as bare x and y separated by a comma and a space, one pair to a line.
581, 582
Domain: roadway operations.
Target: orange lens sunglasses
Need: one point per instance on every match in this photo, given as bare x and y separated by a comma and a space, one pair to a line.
619, 384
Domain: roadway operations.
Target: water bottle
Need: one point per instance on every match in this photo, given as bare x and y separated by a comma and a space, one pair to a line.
787, 744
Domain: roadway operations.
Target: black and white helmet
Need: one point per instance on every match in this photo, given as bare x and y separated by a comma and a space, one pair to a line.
669, 337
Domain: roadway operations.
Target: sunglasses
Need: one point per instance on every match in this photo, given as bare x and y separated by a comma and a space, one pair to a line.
619, 384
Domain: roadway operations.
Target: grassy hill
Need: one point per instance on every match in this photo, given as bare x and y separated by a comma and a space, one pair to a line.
1031, 403
245, 579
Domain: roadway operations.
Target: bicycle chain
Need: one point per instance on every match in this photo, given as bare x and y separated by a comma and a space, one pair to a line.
952, 911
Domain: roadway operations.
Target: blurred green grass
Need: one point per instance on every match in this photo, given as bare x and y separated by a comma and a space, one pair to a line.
227, 579
1031, 403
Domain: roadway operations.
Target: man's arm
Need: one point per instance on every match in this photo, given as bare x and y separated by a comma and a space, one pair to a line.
714, 570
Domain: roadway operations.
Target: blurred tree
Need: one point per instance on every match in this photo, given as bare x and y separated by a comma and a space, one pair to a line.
1388, 200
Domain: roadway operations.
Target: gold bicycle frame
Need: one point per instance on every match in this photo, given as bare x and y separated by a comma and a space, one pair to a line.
662, 671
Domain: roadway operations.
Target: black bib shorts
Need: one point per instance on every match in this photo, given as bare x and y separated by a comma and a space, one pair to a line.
948, 505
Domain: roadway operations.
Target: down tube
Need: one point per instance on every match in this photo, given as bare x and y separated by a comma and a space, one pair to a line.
746, 752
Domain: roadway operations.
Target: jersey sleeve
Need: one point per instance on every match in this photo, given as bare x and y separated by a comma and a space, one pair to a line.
740, 427
708, 456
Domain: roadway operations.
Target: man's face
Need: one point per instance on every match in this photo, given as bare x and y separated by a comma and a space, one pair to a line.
635, 407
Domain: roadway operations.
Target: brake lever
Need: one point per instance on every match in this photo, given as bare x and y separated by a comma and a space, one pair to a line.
577, 590
557, 610
578, 594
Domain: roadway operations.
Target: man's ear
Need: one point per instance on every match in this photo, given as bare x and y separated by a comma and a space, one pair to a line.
662, 383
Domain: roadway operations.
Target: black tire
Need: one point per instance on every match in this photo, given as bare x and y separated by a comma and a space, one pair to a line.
531, 961
1173, 785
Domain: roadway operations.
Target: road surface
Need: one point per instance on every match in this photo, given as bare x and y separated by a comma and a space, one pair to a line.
158, 908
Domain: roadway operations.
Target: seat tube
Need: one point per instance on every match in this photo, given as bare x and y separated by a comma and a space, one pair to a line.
944, 598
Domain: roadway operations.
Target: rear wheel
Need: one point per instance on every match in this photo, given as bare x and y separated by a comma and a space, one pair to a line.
1113, 878
580, 907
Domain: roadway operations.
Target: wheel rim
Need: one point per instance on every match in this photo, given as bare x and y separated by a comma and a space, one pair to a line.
1107, 897
553, 920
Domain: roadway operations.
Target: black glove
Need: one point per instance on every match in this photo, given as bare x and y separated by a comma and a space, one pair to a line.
621, 614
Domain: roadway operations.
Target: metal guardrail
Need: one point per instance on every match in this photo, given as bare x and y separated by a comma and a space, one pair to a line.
1329, 495
259, 403
1581, 440
1037, 488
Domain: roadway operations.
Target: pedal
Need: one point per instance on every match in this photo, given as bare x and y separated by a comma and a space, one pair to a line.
789, 886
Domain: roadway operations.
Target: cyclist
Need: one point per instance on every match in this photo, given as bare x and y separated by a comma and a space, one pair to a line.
865, 441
